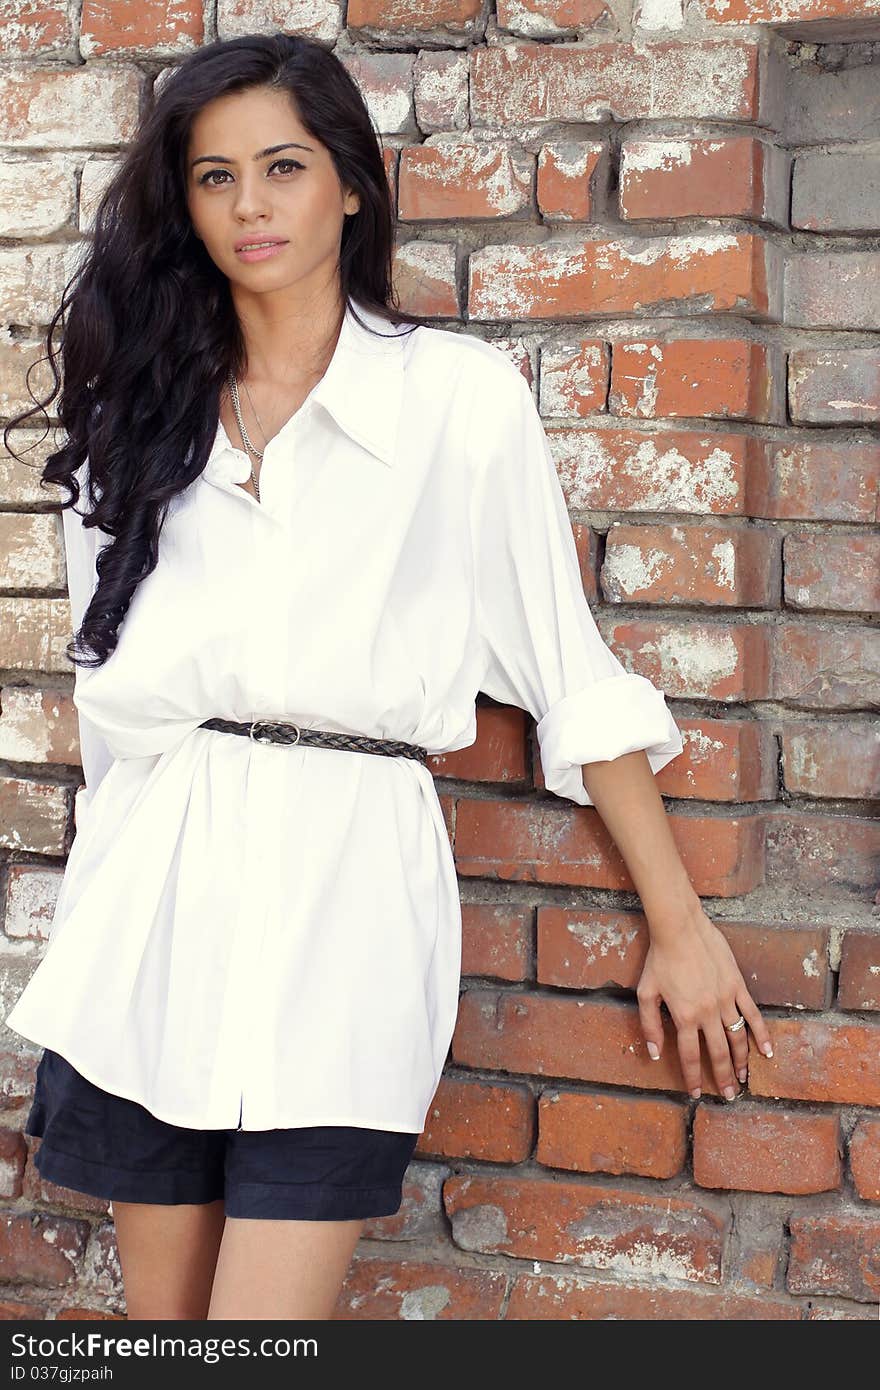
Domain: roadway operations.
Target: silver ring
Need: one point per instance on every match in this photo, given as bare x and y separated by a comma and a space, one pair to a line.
735, 1027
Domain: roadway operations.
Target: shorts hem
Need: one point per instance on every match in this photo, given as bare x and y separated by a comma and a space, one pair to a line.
112, 1184
311, 1202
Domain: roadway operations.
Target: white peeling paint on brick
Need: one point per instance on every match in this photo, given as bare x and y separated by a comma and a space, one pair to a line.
424, 1304
724, 555
667, 481
318, 19
96, 104
600, 938
504, 172
659, 14
630, 568
696, 657
30, 903
569, 157
810, 965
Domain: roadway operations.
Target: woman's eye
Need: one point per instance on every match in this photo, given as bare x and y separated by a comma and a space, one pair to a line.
286, 166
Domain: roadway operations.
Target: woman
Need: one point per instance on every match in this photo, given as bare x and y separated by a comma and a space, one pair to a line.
316, 528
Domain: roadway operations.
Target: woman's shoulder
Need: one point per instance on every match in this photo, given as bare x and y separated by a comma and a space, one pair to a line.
460, 355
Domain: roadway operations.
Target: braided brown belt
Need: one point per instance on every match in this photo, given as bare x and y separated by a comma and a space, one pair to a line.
276, 731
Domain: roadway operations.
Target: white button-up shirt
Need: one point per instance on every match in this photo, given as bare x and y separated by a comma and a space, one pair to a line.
268, 935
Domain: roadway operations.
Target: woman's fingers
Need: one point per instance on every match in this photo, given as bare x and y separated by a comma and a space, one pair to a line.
752, 1015
719, 1055
652, 1024
738, 1042
689, 1055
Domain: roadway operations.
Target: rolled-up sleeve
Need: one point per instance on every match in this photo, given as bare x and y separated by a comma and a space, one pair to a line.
542, 650
81, 546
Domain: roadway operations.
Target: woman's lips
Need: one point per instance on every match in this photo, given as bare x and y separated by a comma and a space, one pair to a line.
261, 253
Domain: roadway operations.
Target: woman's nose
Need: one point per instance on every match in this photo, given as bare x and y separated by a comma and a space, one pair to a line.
251, 197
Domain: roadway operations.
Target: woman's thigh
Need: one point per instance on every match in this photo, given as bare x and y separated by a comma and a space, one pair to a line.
168, 1255
282, 1269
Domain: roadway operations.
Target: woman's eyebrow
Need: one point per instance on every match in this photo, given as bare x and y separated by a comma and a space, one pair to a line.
261, 154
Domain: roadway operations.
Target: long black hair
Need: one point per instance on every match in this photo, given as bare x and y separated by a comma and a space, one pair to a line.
148, 325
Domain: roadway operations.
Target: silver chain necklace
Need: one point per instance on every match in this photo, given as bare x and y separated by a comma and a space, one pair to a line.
245, 437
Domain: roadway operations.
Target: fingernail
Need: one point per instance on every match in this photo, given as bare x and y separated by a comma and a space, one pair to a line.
767, 1050
695, 1095
730, 1093
743, 1075
653, 1052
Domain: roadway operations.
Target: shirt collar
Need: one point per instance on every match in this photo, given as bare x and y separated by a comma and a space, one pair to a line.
362, 389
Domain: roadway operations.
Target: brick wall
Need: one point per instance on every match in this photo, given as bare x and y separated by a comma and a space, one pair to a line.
669, 217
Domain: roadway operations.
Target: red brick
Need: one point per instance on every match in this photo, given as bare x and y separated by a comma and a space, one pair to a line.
69, 108
719, 566
453, 16
441, 90
77, 1314
392, 1290
463, 180
473, 1119
611, 1134
722, 760
38, 725
34, 816
38, 1248
553, 280
779, 11
12, 1311
672, 177
831, 481
603, 1227
859, 980
864, 1159
566, 169
424, 278
835, 1254
537, 842
550, 17
707, 378
816, 851
522, 83
420, 1215
831, 760
819, 1059
593, 949
586, 542
574, 376
657, 470
35, 27
825, 667
498, 755
496, 940
753, 1148
597, 1040
167, 26
564, 1299
13, 1157
694, 660
837, 572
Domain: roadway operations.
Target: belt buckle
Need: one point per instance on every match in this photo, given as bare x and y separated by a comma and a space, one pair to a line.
273, 723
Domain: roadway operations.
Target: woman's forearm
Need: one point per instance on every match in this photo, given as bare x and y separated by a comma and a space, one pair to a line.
625, 794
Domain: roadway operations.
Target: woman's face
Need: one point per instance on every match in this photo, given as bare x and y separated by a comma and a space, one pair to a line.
237, 193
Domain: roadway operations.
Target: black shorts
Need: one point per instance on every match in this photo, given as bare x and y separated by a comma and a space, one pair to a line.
111, 1147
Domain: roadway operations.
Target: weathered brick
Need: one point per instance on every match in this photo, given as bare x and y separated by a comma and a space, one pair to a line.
440, 92
96, 176
420, 1214
538, 842
611, 1134
838, 760
32, 280
864, 1158
574, 376
783, 965
385, 81
33, 815
322, 20
425, 279
13, 1157
706, 273
717, 566
527, 83
496, 940
835, 1254
829, 481
69, 108
753, 1148
414, 16
38, 725
34, 633
841, 573
737, 176
473, 1119
694, 660
31, 897
814, 851
565, 1299
820, 1059
859, 980
37, 27
602, 1227
566, 171
539, 1034
837, 191
833, 289
31, 551
709, 378
21, 362
825, 667
463, 178
380, 1289
498, 755
834, 386
163, 27
722, 760
39, 1248
37, 196
548, 18
656, 470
